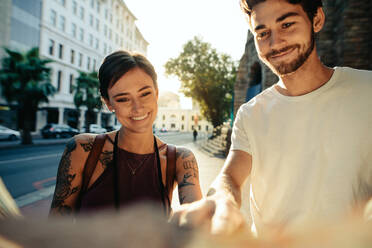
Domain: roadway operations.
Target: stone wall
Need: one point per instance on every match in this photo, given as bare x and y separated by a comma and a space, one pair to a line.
345, 40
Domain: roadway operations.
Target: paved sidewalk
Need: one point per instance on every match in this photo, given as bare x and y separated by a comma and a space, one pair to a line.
37, 204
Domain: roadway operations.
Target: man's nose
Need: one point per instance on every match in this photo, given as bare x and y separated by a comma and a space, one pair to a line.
276, 40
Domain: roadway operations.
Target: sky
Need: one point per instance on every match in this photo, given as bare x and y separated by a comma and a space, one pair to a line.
169, 24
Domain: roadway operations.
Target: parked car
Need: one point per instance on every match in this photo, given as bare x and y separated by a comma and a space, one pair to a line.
53, 130
163, 130
9, 134
94, 128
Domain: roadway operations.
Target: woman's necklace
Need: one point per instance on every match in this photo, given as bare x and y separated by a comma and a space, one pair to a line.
135, 168
116, 174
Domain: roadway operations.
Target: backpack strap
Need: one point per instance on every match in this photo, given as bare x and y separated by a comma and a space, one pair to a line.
171, 170
90, 164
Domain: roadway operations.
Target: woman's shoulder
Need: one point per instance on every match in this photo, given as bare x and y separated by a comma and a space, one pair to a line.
183, 153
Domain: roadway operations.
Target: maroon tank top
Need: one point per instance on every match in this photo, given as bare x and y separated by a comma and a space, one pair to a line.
138, 180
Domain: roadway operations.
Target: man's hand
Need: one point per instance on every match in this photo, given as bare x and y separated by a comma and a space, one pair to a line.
216, 214
219, 211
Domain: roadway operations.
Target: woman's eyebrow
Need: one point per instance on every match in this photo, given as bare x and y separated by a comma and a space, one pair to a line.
144, 88
125, 93
121, 94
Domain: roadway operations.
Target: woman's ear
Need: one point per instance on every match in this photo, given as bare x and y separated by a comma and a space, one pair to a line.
108, 104
318, 20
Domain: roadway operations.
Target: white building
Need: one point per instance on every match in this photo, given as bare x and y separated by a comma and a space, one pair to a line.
77, 35
173, 118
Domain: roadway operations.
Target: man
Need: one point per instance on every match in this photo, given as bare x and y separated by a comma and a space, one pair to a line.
195, 134
306, 142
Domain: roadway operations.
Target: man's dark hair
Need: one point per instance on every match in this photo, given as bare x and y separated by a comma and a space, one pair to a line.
116, 64
309, 6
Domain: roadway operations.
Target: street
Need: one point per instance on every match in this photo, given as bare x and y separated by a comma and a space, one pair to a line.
30, 172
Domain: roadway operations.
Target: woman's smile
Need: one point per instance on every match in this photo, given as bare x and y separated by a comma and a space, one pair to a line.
140, 118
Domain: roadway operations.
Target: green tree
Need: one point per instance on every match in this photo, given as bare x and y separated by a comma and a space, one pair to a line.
86, 93
25, 80
207, 76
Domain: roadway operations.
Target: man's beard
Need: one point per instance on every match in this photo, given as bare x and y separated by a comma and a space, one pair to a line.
287, 68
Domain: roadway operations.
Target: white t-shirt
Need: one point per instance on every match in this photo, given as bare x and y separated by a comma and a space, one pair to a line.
311, 154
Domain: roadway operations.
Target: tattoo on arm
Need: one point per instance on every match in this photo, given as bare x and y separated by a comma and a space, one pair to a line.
106, 158
182, 199
211, 192
185, 182
183, 153
64, 179
189, 162
191, 165
88, 146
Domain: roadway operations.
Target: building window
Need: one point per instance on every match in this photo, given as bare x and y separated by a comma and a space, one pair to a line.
163, 125
74, 7
91, 20
97, 44
192, 127
80, 59
182, 127
60, 53
110, 33
110, 18
88, 63
97, 24
105, 48
51, 47
98, 7
163, 117
206, 128
183, 118
94, 64
106, 14
91, 40
92, 4
81, 13
105, 30
62, 2
199, 127
173, 125
192, 117
71, 83
62, 21
53, 17
72, 56
81, 34
117, 39
73, 30
59, 80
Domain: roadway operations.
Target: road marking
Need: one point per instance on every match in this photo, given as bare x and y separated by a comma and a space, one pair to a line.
39, 184
30, 158
34, 196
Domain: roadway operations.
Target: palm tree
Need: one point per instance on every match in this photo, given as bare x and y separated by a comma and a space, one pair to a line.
25, 80
87, 94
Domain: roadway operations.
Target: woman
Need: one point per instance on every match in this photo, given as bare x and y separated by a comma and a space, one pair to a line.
132, 165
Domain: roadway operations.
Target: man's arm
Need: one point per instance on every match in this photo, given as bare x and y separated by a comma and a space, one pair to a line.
220, 208
234, 173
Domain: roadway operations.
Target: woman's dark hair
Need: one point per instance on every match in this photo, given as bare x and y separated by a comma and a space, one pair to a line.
116, 64
309, 6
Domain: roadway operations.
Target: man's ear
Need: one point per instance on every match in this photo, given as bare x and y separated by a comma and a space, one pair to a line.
319, 19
